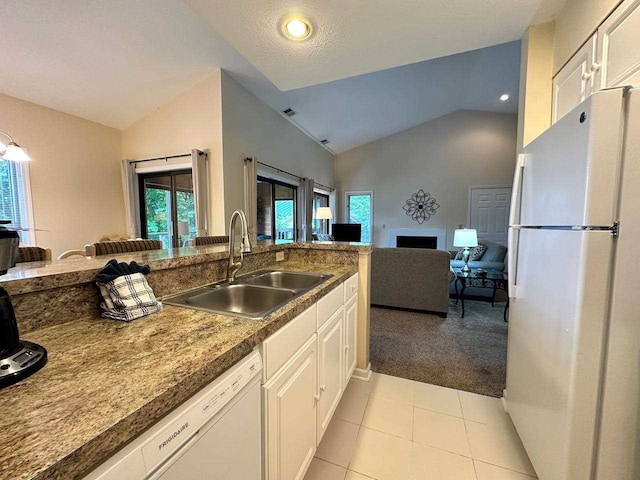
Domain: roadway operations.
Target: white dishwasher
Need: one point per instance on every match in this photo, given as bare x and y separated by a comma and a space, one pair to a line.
215, 435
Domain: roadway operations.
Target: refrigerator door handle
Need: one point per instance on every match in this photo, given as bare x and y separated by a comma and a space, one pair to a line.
512, 259
517, 191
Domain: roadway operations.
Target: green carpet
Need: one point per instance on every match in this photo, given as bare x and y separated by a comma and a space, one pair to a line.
463, 353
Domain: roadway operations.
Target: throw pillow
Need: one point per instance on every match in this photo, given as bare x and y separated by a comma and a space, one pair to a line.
477, 252
458, 255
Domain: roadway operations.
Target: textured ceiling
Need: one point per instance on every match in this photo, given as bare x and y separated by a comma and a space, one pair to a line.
108, 61
362, 109
115, 61
355, 37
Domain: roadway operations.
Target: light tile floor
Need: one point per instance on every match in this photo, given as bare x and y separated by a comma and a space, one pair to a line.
396, 429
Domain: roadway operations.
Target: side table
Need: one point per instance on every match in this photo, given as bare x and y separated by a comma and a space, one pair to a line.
493, 279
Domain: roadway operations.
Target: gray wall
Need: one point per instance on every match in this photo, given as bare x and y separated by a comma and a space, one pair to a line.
444, 157
251, 128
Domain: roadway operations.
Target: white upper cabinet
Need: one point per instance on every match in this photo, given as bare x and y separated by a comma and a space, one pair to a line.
611, 58
574, 82
619, 48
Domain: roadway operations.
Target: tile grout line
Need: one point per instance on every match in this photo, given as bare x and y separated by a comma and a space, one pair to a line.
505, 468
475, 472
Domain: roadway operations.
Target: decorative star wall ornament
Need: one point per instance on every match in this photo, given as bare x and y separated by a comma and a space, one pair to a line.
421, 206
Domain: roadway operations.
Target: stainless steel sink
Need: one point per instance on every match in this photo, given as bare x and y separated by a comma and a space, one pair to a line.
252, 296
251, 301
290, 280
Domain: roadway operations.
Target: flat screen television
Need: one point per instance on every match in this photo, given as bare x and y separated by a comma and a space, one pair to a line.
346, 232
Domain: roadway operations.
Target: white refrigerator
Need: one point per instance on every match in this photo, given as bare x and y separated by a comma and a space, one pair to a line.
573, 361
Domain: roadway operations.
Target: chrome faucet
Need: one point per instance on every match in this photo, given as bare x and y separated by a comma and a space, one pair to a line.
245, 247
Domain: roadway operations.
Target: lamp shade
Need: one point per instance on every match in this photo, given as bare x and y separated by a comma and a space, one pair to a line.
15, 153
324, 213
465, 237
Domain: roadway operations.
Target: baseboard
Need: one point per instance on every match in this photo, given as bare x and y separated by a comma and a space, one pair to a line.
363, 374
504, 400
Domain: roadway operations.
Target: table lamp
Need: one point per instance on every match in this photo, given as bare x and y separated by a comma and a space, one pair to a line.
322, 214
465, 238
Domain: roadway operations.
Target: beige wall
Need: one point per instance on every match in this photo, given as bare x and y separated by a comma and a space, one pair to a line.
191, 120
75, 174
443, 157
536, 84
578, 20
251, 128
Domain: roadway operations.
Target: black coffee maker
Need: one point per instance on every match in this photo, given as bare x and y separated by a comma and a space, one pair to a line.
18, 358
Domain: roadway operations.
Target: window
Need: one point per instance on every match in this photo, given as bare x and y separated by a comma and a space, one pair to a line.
168, 212
359, 208
320, 200
15, 198
276, 210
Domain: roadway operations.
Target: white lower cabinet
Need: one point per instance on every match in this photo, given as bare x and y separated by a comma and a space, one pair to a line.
330, 369
290, 422
303, 389
350, 337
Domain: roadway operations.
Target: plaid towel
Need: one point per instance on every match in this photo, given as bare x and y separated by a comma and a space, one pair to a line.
128, 297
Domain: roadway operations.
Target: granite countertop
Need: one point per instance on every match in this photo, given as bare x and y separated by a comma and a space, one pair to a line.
34, 276
106, 382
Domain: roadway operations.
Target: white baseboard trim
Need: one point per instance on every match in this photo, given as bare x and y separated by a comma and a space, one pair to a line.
504, 400
363, 374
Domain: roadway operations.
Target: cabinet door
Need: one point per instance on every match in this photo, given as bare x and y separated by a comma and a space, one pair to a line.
619, 47
350, 337
330, 369
290, 416
574, 82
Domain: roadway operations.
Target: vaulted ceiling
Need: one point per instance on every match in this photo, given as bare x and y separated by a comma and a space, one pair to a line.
362, 109
364, 71
354, 37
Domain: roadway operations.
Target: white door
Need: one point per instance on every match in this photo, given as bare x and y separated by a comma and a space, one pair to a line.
290, 416
555, 346
489, 212
619, 47
571, 170
350, 332
574, 82
330, 369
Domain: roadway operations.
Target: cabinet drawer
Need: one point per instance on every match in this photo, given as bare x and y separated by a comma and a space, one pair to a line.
350, 287
329, 304
281, 346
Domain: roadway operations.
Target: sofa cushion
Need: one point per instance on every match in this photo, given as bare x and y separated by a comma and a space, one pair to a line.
477, 252
494, 251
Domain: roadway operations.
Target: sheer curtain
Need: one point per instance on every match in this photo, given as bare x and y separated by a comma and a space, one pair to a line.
200, 176
251, 195
305, 209
131, 198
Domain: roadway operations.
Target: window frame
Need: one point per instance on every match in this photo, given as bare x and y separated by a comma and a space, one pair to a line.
347, 215
27, 226
175, 237
273, 182
324, 223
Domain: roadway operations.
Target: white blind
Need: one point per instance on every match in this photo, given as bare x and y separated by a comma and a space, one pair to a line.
14, 198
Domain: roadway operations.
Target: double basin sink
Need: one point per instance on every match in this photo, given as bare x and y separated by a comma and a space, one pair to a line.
251, 296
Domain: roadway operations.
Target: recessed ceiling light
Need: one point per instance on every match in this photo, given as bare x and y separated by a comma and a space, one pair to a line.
504, 97
297, 28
